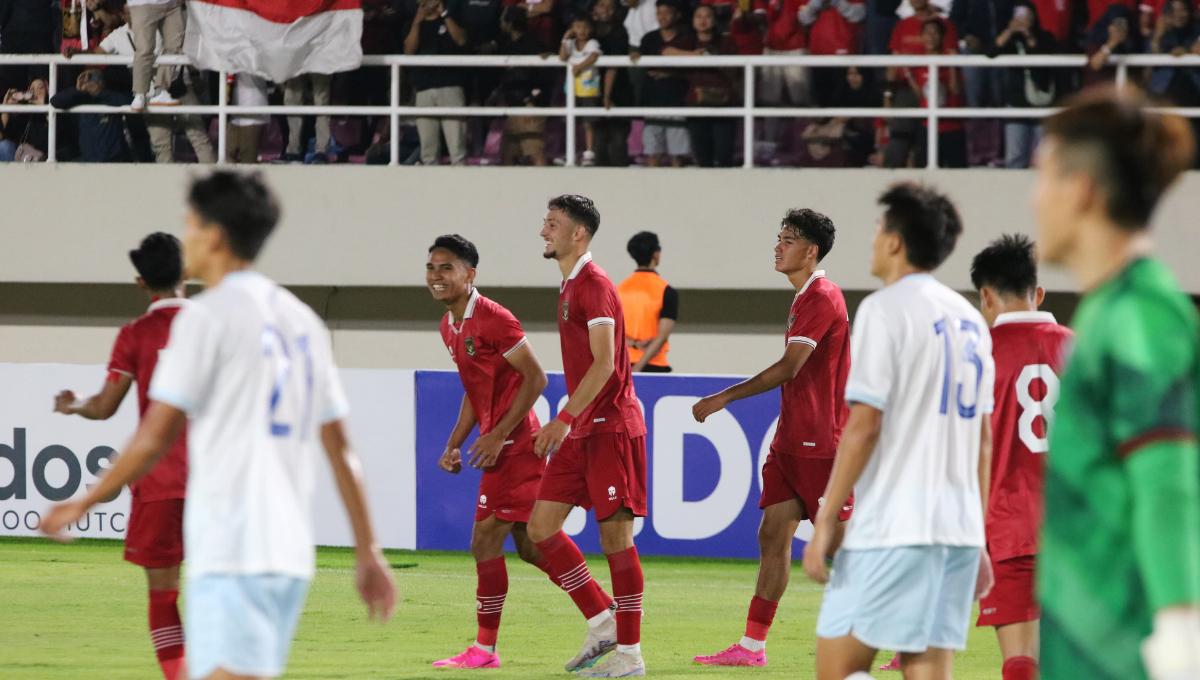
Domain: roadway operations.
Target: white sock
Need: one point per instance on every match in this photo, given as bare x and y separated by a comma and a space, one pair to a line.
860, 675
600, 619
490, 649
636, 650
752, 644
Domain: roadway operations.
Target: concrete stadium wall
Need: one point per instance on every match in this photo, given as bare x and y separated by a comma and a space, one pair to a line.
370, 226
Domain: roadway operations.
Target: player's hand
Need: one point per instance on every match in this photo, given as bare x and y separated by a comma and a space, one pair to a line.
373, 578
550, 438
55, 522
64, 401
707, 406
817, 549
451, 461
986, 578
486, 450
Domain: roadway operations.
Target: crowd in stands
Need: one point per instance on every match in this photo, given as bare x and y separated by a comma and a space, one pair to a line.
578, 32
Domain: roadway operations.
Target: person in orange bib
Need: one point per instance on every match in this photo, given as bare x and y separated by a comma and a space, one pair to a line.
651, 307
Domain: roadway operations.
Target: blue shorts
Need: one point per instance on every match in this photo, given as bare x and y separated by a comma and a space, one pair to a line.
908, 599
241, 623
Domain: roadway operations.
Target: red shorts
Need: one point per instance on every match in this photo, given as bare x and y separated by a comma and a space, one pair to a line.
786, 476
509, 488
154, 537
1013, 598
606, 471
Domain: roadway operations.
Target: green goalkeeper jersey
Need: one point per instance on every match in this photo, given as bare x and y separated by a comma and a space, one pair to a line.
1122, 522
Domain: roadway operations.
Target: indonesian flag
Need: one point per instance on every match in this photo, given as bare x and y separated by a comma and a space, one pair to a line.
275, 39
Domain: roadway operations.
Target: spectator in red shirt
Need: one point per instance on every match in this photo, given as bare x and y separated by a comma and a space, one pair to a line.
780, 85
952, 141
906, 37
1055, 17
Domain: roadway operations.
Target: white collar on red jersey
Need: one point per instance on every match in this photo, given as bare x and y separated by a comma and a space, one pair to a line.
819, 274
1024, 317
587, 257
468, 312
166, 303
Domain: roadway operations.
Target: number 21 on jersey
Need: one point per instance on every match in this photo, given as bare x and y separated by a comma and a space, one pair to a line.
289, 402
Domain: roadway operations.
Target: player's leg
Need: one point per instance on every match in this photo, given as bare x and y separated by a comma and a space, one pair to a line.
154, 541
955, 572
166, 627
841, 657
241, 626
1019, 648
932, 664
491, 589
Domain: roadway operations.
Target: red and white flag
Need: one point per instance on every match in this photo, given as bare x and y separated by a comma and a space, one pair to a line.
275, 39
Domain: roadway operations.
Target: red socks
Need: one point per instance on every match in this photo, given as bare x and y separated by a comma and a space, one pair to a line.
490, 592
627, 583
1020, 668
166, 632
570, 572
758, 620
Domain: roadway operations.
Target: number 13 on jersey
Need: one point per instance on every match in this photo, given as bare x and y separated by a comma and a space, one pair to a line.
967, 332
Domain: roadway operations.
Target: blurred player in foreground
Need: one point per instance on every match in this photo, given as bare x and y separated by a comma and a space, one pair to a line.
252, 367
502, 380
812, 372
598, 447
915, 452
1028, 347
1119, 572
154, 537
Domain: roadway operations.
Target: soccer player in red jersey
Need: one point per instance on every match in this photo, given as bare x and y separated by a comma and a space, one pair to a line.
597, 445
502, 379
812, 373
154, 537
1028, 347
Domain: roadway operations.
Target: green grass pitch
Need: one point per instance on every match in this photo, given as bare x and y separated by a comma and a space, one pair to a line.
78, 612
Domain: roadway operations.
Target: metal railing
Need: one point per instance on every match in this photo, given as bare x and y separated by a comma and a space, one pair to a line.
932, 112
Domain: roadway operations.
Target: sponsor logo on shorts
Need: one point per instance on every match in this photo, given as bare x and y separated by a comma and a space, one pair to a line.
612, 493
989, 611
483, 500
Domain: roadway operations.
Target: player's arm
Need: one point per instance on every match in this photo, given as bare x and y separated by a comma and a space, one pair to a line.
986, 579
451, 460
374, 579
602, 340
159, 429
773, 376
99, 406
486, 450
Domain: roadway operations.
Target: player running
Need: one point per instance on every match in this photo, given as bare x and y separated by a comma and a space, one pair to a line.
916, 453
502, 379
1119, 571
154, 538
598, 447
251, 366
812, 372
1029, 347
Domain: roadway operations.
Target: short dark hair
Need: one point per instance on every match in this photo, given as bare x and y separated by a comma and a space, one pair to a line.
642, 247
934, 22
811, 226
240, 204
158, 259
926, 220
1134, 155
1008, 264
579, 208
582, 17
461, 247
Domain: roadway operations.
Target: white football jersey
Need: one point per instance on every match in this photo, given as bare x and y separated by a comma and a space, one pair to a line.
923, 355
252, 367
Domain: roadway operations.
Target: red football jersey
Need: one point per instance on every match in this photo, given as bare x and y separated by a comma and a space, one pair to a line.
906, 36
135, 355
1028, 348
812, 410
588, 298
479, 347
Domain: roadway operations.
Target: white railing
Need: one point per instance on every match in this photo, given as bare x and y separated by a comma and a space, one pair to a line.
932, 112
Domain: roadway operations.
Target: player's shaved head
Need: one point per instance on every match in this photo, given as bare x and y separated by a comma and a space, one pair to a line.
579, 209
158, 259
927, 221
811, 226
459, 246
1008, 265
1132, 155
239, 204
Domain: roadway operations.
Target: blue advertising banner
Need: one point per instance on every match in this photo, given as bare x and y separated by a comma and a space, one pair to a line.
704, 478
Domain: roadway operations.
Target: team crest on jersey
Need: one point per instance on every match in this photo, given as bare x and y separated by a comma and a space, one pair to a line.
470, 345
566, 310
791, 320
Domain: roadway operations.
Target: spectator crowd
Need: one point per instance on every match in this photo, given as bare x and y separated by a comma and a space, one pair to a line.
579, 32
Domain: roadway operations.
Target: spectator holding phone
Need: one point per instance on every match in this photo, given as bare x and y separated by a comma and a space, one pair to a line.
23, 137
581, 51
1176, 33
435, 31
1114, 33
1025, 87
